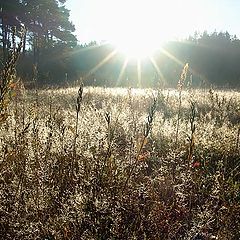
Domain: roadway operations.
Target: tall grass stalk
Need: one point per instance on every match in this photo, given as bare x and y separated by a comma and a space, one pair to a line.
192, 136
180, 89
78, 107
238, 138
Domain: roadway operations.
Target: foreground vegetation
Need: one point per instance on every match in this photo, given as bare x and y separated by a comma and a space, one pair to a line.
102, 163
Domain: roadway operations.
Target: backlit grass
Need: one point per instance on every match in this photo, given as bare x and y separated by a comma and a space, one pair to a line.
108, 165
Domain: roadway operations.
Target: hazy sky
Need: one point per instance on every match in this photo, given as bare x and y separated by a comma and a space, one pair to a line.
107, 19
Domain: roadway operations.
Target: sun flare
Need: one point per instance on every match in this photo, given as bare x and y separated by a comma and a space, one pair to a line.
135, 48
138, 28
135, 34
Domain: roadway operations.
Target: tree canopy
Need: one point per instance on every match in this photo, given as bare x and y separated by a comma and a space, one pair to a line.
46, 21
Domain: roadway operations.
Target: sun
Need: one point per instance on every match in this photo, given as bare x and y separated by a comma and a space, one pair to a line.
138, 28
138, 33
137, 47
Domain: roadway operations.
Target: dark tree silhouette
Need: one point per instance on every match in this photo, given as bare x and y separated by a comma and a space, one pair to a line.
47, 23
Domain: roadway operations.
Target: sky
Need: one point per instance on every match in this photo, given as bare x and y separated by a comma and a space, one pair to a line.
110, 20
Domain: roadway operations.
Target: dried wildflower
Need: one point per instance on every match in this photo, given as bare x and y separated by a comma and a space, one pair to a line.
196, 164
180, 87
79, 98
78, 105
183, 77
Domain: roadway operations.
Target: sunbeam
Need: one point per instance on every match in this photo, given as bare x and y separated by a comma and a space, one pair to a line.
168, 54
158, 70
191, 70
122, 71
139, 73
100, 64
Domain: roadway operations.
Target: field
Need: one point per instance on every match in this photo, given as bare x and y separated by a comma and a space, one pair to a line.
101, 163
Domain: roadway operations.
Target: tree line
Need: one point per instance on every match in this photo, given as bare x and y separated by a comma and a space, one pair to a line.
51, 47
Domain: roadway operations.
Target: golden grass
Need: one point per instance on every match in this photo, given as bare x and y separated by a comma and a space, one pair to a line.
109, 167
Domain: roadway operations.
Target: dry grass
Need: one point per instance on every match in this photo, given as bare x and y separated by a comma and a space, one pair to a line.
109, 167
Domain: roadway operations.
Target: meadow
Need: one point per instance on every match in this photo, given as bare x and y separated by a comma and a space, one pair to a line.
102, 163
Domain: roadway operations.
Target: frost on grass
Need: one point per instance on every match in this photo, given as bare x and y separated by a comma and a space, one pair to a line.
121, 175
